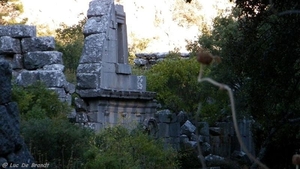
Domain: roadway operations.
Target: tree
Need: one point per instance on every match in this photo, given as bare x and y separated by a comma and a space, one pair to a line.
176, 86
10, 11
261, 64
70, 41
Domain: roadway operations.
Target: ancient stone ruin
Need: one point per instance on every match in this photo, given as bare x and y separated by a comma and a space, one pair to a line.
33, 59
12, 146
104, 80
108, 93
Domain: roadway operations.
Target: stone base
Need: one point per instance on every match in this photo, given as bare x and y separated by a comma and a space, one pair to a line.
112, 93
108, 112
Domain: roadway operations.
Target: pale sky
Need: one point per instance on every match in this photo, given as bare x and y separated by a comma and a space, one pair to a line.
53, 12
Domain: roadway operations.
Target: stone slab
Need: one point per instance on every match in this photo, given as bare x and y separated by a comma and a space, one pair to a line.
9, 45
123, 69
18, 31
52, 78
94, 68
36, 60
92, 49
26, 78
46, 43
99, 7
96, 93
23, 31
95, 25
87, 81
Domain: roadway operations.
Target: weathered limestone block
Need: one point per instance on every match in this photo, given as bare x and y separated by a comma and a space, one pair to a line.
211, 160
140, 62
183, 138
26, 78
59, 91
93, 48
5, 83
5, 31
96, 25
9, 45
36, 60
87, 81
80, 105
123, 69
99, 7
69, 87
188, 128
67, 99
52, 78
166, 116
203, 128
46, 43
58, 67
174, 129
89, 68
17, 62
115, 81
23, 31
108, 67
18, 31
206, 148
163, 130
138, 82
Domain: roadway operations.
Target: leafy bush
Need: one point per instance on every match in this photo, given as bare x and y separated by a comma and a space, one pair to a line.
58, 141
36, 101
175, 81
117, 147
70, 40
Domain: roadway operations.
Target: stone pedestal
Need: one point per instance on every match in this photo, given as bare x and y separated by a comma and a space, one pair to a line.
104, 80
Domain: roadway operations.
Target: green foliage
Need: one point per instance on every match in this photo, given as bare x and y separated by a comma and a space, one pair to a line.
263, 73
70, 41
117, 147
38, 102
175, 81
60, 142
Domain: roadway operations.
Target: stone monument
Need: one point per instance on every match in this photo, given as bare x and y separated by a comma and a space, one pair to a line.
104, 80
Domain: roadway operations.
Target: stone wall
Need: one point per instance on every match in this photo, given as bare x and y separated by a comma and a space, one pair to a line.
148, 59
34, 59
13, 150
216, 142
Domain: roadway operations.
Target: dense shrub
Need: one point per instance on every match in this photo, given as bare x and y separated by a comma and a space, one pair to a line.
175, 81
117, 147
56, 140
36, 101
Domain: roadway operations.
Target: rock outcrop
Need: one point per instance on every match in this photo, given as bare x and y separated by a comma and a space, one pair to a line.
13, 151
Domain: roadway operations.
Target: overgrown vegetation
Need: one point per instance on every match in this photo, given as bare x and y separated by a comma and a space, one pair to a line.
38, 102
118, 147
263, 72
52, 138
70, 41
